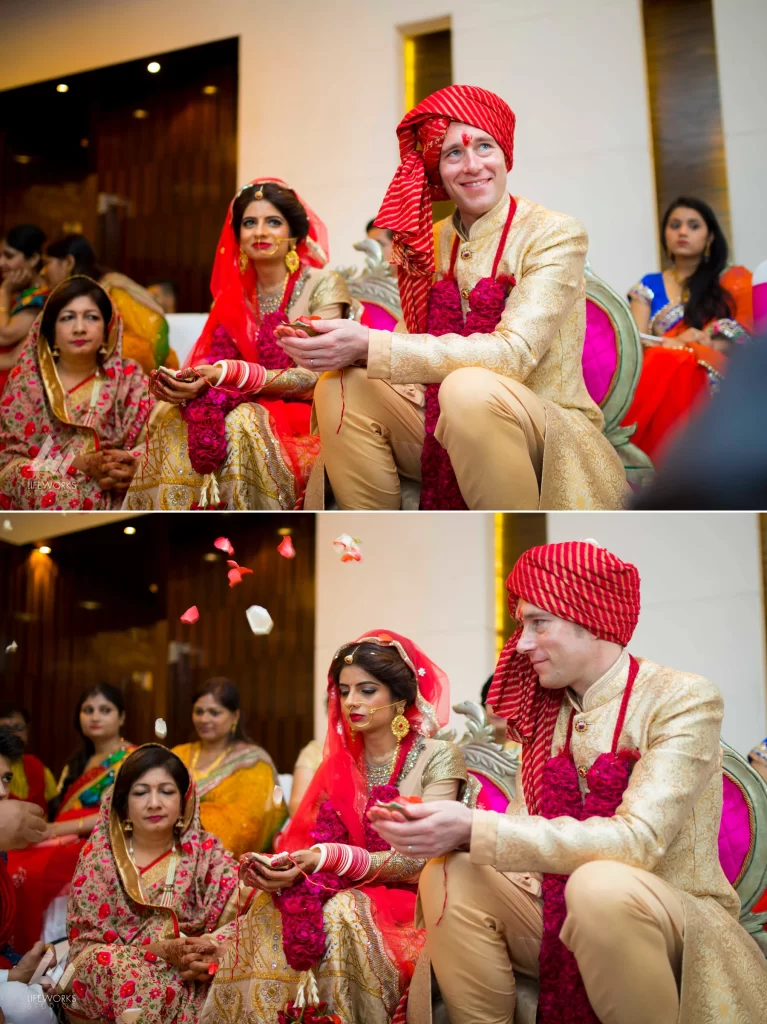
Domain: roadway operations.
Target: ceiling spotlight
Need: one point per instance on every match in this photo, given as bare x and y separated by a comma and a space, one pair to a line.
210, 556
153, 68
140, 114
285, 531
62, 87
22, 158
210, 90
153, 588
130, 530
44, 549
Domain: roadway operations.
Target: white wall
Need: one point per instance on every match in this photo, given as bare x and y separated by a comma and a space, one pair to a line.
741, 31
321, 94
702, 607
429, 576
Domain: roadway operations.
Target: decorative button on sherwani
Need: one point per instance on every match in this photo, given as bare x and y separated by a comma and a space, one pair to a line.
583, 770
581, 726
465, 293
466, 254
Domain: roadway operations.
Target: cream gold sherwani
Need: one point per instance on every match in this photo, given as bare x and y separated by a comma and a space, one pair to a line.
667, 824
527, 372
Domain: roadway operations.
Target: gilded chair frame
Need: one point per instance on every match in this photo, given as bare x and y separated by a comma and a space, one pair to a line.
753, 878
628, 368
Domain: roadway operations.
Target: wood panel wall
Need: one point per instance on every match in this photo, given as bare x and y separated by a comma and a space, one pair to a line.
134, 639
688, 141
151, 194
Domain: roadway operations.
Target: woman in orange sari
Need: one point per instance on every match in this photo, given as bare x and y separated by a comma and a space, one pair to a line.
43, 872
697, 310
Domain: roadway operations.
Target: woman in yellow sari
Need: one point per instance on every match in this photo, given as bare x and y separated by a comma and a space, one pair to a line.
240, 799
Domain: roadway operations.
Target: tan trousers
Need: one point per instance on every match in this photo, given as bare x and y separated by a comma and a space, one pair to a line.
492, 427
624, 925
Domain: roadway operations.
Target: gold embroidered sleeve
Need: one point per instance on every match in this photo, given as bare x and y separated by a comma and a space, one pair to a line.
445, 763
681, 756
398, 869
330, 298
547, 289
295, 382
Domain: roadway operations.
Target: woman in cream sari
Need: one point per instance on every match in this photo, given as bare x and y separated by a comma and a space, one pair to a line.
245, 442
333, 927
153, 900
74, 412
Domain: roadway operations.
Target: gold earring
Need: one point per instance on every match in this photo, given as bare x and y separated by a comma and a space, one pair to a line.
179, 826
292, 262
707, 251
399, 724
233, 730
128, 827
103, 351
242, 262
55, 351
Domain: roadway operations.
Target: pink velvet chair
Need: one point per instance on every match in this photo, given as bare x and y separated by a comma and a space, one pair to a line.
612, 363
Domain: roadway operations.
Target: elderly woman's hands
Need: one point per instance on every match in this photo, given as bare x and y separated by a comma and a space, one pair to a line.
170, 389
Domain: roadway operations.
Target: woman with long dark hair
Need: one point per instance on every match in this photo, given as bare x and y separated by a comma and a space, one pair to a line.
44, 871
697, 309
22, 290
236, 779
145, 337
74, 411
237, 432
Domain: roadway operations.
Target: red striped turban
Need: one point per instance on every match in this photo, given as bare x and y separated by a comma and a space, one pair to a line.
582, 583
406, 209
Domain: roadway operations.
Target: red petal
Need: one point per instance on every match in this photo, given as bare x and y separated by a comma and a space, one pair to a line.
223, 544
190, 615
286, 548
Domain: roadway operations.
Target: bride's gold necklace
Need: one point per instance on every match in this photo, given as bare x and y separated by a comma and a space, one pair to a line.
271, 302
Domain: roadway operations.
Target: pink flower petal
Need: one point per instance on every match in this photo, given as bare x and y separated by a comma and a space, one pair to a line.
286, 548
223, 544
191, 615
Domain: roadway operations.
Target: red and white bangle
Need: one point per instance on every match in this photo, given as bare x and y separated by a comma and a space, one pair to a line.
239, 374
350, 862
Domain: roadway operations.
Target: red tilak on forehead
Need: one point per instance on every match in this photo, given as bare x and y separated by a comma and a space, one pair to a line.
466, 138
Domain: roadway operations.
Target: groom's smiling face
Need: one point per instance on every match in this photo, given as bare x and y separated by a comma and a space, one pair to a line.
473, 170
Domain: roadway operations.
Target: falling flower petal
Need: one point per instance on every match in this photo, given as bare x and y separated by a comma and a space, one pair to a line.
12, 647
190, 615
286, 548
348, 548
223, 544
7, 524
236, 572
259, 620
160, 728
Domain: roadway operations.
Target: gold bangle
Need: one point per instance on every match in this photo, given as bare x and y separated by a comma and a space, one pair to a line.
81, 825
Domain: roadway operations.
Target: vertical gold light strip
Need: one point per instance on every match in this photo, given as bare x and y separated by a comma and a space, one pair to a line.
500, 590
409, 61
